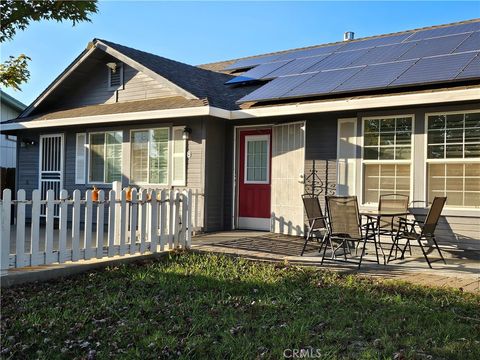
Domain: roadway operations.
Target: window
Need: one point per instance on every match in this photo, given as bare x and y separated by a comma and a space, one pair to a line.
453, 158
105, 157
387, 151
257, 148
149, 158
115, 76
178, 157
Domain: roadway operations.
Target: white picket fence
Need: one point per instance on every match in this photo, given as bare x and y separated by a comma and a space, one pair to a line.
113, 225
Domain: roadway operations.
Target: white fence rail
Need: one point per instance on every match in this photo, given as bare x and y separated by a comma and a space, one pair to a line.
92, 226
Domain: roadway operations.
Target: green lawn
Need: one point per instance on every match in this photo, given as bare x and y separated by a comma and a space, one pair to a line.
217, 307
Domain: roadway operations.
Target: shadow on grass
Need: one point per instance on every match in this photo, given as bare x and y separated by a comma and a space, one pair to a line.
209, 306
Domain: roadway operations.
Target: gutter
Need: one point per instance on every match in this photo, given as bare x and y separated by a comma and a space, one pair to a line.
443, 96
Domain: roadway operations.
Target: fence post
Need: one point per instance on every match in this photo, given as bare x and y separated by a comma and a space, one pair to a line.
49, 226
133, 222
62, 241
112, 225
188, 225
163, 218
123, 222
100, 221
20, 243
5, 214
183, 229
117, 188
88, 225
35, 224
76, 225
143, 219
153, 233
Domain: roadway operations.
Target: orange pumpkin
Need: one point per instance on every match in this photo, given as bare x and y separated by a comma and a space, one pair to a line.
95, 194
128, 193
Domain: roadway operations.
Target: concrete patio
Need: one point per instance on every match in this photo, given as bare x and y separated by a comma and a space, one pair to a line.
460, 273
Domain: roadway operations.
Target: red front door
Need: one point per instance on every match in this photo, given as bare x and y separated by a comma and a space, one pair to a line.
254, 179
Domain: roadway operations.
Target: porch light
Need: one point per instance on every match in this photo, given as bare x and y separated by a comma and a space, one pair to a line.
186, 133
27, 142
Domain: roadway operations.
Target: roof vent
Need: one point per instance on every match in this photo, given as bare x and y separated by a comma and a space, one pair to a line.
348, 35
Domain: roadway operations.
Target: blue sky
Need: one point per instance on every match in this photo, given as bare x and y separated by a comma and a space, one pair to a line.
201, 32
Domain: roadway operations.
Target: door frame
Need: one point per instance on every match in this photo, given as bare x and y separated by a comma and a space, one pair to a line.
62, 157
236, 160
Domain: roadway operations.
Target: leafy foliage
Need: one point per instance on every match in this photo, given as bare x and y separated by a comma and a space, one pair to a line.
17, 15
14, 71
197, 306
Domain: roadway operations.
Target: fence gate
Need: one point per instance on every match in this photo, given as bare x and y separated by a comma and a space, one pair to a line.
51, 167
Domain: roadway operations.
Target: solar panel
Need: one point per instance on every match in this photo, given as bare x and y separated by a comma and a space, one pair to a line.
375, 76
445, 67
432, 47
276, 88
368, 43
472, 70
258, 72
297, 66
323, 82
338, 60
471, 43
383, 54
443, 31
311, 52
251, 62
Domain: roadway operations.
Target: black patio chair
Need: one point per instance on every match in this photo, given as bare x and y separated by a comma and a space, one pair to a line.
408, 230
317, 226
345, 227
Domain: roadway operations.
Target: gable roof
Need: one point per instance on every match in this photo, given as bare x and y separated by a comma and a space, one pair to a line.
11, 101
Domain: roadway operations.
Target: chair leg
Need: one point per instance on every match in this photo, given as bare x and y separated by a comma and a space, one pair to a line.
438, 249
307, 239
395, 245
407, 244
424, 253
376, 249
325, 249
363, 252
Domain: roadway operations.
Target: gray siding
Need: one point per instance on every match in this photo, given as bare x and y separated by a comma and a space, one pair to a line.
94, 89
27, 169
215, 179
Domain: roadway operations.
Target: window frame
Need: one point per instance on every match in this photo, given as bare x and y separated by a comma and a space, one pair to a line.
410, 161
104, 152
169, 157
446, 160
256, 138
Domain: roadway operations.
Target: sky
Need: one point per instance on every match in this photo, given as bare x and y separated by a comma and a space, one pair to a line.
202, 32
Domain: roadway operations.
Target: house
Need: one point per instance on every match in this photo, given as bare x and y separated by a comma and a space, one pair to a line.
389, 113
10, 109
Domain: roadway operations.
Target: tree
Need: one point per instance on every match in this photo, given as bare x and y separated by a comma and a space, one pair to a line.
17, 15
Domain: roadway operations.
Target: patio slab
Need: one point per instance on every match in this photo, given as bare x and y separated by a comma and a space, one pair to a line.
458, 273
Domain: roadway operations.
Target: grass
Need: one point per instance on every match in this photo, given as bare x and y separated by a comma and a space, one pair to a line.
217, 307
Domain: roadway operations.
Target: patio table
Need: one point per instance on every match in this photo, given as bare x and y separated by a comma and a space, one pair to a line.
378, 215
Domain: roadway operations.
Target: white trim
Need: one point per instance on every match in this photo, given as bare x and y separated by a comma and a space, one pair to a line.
77, 174
384, 101
249, 138
355, 137
250, 223
183, 182
371, 161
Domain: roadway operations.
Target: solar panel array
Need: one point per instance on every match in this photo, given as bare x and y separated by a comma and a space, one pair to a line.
415, 57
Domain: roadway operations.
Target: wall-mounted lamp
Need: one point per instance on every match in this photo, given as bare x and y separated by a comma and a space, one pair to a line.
112, 66
27, 142
186, 133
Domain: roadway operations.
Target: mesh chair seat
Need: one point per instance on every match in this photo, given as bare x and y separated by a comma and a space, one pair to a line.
317, 227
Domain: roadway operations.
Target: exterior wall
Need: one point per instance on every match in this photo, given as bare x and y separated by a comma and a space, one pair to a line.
7, 145
28, 158
94, 90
